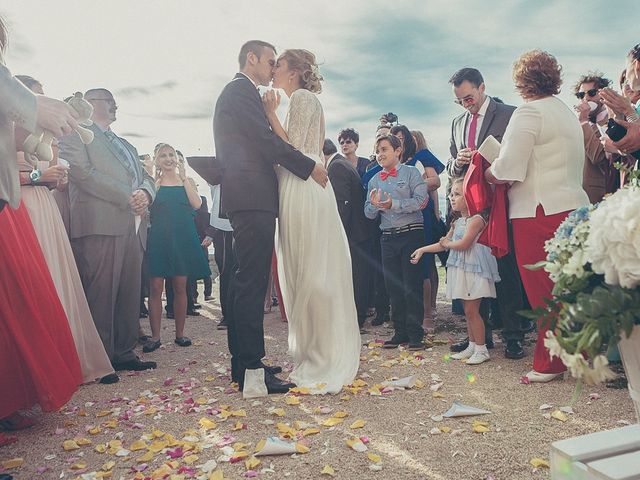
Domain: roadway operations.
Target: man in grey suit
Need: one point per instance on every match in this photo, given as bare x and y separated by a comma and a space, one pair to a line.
483, 117
109, 192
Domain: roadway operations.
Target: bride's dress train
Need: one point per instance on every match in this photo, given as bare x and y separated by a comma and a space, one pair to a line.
314, 265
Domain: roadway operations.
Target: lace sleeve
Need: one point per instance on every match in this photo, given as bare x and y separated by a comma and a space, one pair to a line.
299, 118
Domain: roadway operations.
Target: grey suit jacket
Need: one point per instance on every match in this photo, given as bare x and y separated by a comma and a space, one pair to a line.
495, 123
17, 108
100, 186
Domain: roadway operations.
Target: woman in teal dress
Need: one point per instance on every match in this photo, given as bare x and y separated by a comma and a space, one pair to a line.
173, 247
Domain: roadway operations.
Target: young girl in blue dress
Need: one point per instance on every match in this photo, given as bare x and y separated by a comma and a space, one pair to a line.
173, 247
471, 272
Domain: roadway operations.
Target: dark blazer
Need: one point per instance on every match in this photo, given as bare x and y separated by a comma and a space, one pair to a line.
101, 184
248, 150
596, 164
495, 123
350, 197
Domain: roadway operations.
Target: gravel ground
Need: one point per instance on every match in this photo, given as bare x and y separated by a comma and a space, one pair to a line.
193, 383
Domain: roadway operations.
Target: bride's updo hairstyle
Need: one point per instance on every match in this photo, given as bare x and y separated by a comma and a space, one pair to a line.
304, 62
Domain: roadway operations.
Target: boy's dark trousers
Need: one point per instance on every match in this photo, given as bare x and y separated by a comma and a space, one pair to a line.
404, 283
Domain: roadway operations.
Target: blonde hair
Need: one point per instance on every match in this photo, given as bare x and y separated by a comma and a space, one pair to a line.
156, 149
421, 142
304, 63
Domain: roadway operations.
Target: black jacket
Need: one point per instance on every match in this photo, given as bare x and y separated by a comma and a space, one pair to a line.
248, 150
351, 198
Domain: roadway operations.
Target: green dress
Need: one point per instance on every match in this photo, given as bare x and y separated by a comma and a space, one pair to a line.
173, 247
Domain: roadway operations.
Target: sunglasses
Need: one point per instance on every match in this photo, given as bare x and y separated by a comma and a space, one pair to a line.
348, 140
591, 93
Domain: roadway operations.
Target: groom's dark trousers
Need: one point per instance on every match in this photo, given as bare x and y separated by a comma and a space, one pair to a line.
253, 234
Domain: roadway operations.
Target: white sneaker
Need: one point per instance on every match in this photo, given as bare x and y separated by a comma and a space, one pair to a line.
466, 353
478, 357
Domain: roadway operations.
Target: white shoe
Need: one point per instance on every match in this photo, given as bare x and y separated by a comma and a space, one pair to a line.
466, 353
537, 377
478, 357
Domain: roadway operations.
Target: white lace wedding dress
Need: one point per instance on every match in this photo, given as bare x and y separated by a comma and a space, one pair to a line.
314, 264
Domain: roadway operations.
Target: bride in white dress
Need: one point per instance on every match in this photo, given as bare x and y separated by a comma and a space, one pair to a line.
314, 265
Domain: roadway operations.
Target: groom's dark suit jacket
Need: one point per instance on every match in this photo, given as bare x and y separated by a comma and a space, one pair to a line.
248, 150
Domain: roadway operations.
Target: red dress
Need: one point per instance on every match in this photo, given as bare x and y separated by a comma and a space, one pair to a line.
38, 359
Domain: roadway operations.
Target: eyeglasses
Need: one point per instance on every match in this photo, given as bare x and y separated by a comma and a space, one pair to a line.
108, 100
462, 101
592, 93
348, 140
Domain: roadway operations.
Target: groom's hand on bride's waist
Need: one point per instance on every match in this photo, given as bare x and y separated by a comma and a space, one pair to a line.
319, 174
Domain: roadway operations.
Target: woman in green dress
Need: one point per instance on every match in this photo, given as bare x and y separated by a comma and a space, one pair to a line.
173, 247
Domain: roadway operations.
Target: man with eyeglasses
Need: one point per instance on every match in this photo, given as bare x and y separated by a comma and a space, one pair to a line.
349, 140
483, 117
109, 191
593, 118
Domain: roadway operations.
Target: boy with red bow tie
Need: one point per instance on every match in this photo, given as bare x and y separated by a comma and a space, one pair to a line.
398, 194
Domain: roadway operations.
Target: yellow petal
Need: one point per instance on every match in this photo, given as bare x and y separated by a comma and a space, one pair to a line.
240, 446
79, 466
201, 401
480, 426
157, 433
558, 415
345, 397
300, 448
209, 378
95, 430
310, 431
300, 390
292, 400
374, 458
279, 412
251, 463
539, 463
13, 463
108, 466
327, 470
103, 413
83, 441
358, 424
445, 429
70, 445
147, 457
216, 475
239, 455
189, 459
207, 424
101, 448
437, 395
239, 413
332, 422
138, 445
340, 414
238, 426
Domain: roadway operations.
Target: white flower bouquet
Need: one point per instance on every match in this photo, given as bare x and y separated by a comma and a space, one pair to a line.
594, 261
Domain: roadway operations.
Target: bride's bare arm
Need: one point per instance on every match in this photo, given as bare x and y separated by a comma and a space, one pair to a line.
271, 100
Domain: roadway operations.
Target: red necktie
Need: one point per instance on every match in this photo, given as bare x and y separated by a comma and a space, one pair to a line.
391, 173
473, 127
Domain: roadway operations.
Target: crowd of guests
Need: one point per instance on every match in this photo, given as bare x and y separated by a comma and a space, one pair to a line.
75, 231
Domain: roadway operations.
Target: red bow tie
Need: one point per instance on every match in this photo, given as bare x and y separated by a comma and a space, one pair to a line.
391, 173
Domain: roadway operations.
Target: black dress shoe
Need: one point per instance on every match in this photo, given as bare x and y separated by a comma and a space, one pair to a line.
460, 346
109, 379
514, 349
222, 325
272, 369
136, 365
192, 312
275, 385
488, 341
151, 346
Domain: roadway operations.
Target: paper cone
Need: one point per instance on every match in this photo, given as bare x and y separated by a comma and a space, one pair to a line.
254, 385
460, 410
275, 446
406, 382
490, 149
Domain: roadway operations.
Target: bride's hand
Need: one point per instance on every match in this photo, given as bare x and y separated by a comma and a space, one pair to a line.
271, 100
416, 256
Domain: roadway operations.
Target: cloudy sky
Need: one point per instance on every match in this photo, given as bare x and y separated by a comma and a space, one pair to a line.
166, 61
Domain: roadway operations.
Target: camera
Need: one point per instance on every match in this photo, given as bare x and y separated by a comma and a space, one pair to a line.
389, 118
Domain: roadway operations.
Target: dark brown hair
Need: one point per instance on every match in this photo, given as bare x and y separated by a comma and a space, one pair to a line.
254, 46
597, 78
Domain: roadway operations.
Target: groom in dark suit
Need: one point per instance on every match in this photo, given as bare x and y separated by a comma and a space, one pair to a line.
248, 150
483, 117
